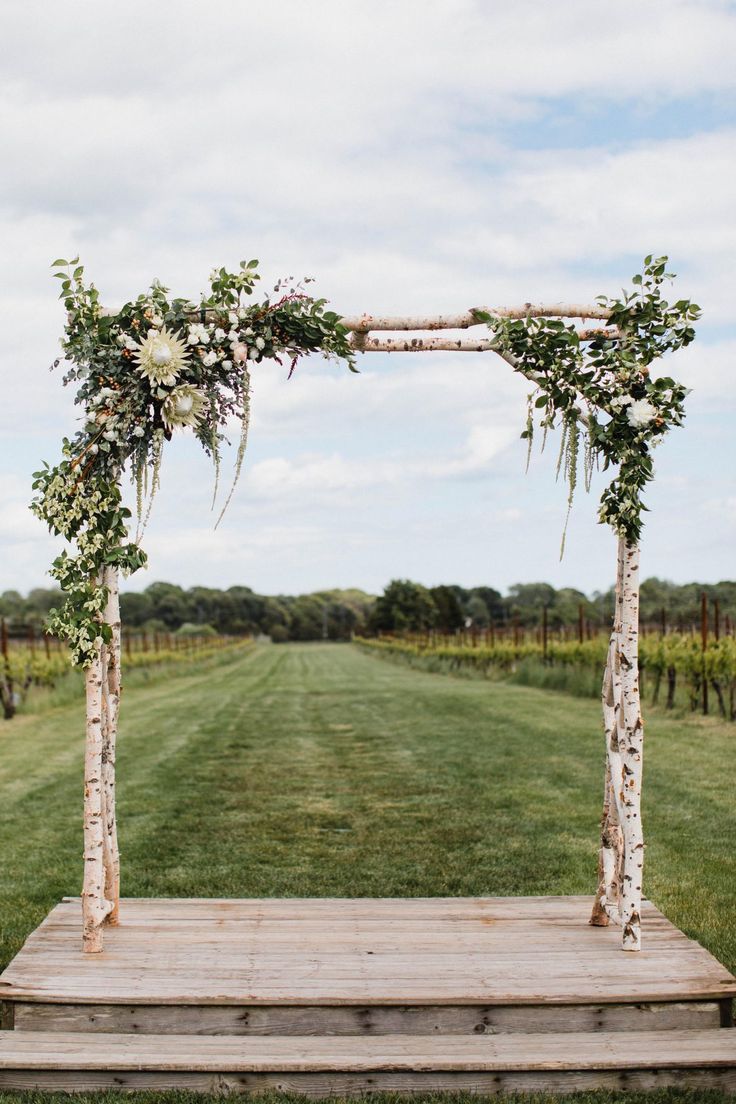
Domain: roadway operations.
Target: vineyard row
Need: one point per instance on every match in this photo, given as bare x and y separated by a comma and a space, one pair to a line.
703, 670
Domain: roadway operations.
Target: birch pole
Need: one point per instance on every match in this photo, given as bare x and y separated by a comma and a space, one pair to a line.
95, 906
621, 858
111, 701
631, 749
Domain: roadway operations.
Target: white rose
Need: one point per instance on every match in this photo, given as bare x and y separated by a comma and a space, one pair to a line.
232, 318
641, 413
227, 364
193, 336
260, 343
220, 335
620, 401
209, 358
138, 431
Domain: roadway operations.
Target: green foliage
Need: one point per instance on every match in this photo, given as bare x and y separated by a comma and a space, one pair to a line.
449, 611
158, 365
403, 605
677, 655
603, 390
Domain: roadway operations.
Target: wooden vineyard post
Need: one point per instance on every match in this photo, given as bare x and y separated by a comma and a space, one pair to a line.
621, 858
704, 648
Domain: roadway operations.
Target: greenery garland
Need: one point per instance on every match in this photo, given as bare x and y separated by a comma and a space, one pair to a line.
602, 392
161, 364
158, 365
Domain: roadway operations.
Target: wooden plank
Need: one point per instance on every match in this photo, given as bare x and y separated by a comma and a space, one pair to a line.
364, 1019
572, 1050
380, 907
321, 952
318, 1086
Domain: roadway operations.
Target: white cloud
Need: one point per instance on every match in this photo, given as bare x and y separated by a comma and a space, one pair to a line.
375, 147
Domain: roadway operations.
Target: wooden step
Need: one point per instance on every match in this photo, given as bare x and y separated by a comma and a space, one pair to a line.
364, 1019
317, 1065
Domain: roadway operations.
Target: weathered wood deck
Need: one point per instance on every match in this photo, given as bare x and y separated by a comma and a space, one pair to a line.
413, 988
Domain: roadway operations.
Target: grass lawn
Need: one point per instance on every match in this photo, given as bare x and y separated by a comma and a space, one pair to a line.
319, 770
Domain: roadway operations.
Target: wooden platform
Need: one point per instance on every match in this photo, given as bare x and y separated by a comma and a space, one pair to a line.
342, 995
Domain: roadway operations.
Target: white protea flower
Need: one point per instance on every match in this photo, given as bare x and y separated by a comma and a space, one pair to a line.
641, 413
161, 357
184, 406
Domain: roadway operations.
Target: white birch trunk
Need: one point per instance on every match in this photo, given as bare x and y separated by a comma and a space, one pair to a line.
621, 857
607, 902
111, 701
631, 749
94, 904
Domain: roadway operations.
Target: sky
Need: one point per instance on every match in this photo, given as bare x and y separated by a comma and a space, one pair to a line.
412, 158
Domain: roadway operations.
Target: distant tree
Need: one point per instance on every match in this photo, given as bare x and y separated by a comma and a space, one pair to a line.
403, 606
449, 616
306, 618
135, 608
527, 600
493, 601
565, 608
477, 611
169, 603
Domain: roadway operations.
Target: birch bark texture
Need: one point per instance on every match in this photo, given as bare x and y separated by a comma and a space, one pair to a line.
101, 882
111, 688
621, 857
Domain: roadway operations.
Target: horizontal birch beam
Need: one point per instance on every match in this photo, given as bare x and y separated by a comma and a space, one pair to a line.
362, 342
367, 322
364, 323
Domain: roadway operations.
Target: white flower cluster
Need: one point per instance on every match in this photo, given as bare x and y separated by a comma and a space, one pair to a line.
640, 411
198, 334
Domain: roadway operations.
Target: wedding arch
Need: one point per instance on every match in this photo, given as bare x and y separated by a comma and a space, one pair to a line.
161, 364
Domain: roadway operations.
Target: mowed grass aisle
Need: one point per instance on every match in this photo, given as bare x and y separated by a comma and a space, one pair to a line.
319, 770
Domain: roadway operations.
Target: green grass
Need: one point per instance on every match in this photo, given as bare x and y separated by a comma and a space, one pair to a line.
320, 770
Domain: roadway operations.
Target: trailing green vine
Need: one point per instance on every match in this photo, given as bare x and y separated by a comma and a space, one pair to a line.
602, 390
156, 366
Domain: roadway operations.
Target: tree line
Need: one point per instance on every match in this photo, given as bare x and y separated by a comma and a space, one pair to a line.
404, 606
